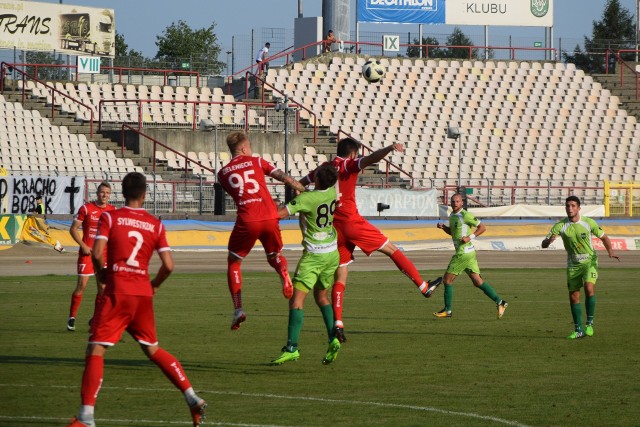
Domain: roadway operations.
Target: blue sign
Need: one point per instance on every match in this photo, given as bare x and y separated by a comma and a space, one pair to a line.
402, 11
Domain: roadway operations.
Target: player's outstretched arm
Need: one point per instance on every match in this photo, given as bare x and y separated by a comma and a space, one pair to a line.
548, 241
74, 231
444, 227
287, 180
380, 154
607, 245
165, 269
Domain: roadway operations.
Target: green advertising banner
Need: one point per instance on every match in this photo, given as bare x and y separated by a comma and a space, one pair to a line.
10, 229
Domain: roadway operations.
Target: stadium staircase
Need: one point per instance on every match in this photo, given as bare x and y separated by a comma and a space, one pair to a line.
61, 118
625, 92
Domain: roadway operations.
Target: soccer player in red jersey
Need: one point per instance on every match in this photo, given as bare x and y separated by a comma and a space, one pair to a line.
257, 219
354, 230
87, 217
130, 235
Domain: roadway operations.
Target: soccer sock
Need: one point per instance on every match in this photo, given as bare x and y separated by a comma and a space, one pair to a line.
234, 280
296, 320
448, 297
92, 379
488, 291
406, 266
172, 369
591, 308
191, 397
576, 312
337, 297
85, 415
279, 264
327, 316
75, 304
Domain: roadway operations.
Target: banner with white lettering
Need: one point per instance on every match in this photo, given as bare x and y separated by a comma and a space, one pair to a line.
60, 194
526, 13
402, 11
401, 202
30, 25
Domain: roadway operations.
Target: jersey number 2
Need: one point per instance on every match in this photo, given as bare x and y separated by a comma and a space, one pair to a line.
132, 261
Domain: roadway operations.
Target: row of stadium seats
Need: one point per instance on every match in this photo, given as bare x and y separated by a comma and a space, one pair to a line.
32, 145
511, 111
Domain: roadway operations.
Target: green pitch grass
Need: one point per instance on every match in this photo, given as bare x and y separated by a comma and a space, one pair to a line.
400, 366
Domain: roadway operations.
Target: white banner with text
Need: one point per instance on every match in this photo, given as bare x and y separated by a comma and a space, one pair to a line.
400, 202
60, 194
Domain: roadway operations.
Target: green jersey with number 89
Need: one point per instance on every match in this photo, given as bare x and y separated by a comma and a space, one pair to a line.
316, 210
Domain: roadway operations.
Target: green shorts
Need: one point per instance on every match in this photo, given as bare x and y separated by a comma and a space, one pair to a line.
315, 270
580, 274
467, 263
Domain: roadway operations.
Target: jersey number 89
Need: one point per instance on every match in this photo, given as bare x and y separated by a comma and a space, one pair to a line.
323, 211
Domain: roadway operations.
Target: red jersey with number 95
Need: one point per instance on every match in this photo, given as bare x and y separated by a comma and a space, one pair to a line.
132, 236
243, 179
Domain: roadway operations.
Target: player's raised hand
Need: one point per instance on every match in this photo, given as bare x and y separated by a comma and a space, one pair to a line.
398, 147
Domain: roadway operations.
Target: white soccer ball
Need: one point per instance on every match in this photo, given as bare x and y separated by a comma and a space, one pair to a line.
373, 71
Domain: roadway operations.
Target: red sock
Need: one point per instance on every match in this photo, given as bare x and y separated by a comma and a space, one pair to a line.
279, 264
234, 280
92, 379
75, 304
172, 368
337, 298
406, 266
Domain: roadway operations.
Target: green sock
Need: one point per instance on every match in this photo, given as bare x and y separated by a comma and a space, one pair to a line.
448, 297
490, 292
327, 316
590, 303
296, 319
576, 312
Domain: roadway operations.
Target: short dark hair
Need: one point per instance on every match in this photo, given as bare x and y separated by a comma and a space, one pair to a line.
572, 199
347, 146
134, 185
267, 44
327, 175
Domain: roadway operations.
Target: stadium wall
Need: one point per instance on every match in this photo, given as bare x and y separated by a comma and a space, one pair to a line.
186, 140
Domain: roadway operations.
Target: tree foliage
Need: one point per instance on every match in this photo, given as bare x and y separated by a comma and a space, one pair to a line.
179, 43
615, 31
456, 38
427, 51
45, 73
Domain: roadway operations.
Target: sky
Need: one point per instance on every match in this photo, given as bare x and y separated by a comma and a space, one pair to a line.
140, 21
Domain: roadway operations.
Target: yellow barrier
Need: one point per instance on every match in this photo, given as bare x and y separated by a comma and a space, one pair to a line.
620, 198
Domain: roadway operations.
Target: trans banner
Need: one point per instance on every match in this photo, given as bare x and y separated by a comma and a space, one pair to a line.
60, 194
402, 11
74, 30
527, 13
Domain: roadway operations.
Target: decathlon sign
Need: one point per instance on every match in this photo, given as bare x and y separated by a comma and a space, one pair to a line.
526, 13
402, 11
89, 64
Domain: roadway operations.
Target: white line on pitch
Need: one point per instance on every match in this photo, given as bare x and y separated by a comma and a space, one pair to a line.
310, 399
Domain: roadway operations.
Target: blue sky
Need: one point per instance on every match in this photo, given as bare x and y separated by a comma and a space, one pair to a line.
141, 20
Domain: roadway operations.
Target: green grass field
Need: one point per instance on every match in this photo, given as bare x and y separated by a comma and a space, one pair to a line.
400, 366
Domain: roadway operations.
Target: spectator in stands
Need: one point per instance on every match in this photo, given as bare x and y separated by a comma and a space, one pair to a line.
461, 224
257, 219
261, 59
582, 261
329, 40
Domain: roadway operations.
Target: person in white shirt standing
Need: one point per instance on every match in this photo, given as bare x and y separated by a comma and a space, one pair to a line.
263, 66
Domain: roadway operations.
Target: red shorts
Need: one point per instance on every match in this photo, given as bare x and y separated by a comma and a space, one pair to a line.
357, 232
120, 312
245, 234
85, 265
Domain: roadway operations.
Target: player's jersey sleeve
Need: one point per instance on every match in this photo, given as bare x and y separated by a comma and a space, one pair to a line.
352, 165
82, 214
555, 230
266, 166
104, 225
162, 244
470, 220
596, 230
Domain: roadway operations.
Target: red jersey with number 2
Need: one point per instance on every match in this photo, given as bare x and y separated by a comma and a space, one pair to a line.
133, 235
243, 178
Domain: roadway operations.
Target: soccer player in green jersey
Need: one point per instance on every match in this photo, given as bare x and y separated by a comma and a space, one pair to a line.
582, 261
318, 263
460, 225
